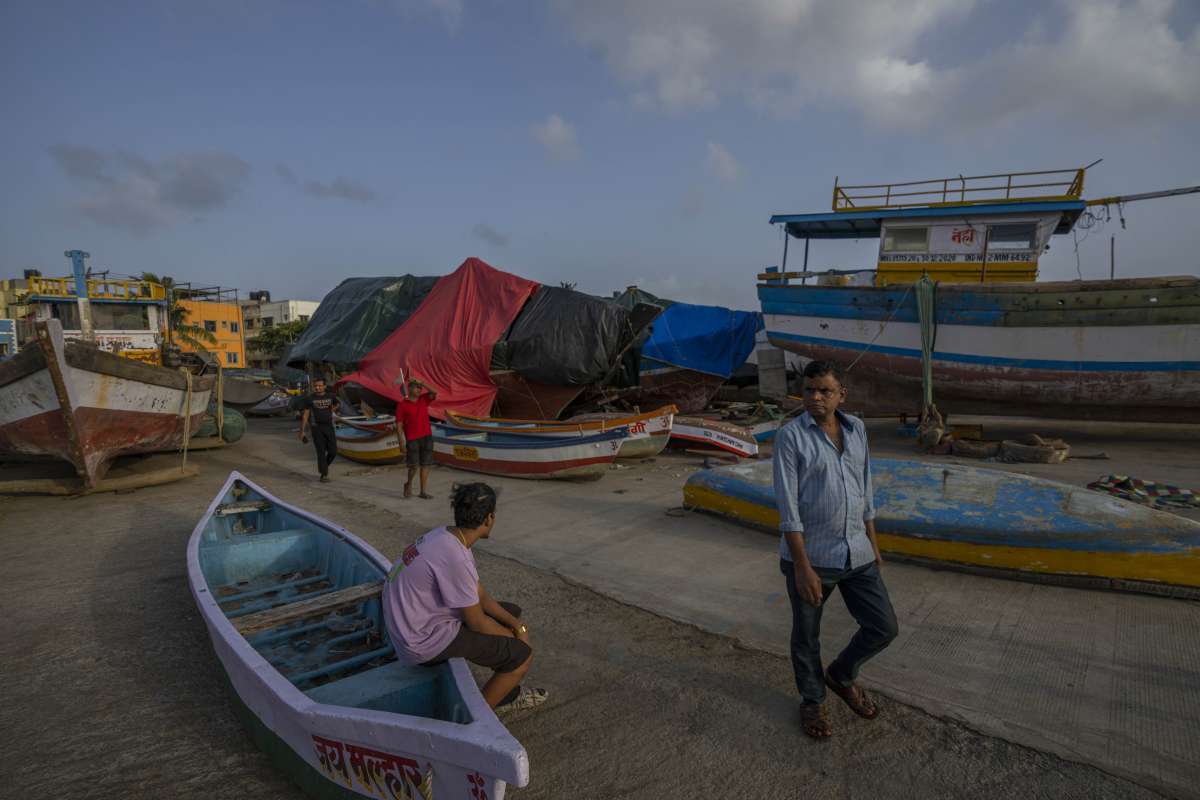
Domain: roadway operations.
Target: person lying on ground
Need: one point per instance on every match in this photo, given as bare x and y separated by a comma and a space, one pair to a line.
435, 607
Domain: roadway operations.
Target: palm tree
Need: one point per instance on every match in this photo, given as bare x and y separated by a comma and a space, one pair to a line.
194, 336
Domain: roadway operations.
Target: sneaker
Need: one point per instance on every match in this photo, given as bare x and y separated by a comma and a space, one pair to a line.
527, 697
324, 479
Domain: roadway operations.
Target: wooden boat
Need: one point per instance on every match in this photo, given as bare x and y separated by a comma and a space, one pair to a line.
292, 606
244, 393
648, 432
987, 518
277, 404
1001, 342
378, 422
707, 432
517, 456
660, 383
369, 446
73, 401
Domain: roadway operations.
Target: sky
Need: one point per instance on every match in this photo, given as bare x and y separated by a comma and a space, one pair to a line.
289, 145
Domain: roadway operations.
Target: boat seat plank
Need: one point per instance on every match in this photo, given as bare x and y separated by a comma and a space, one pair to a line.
265, 620
229, 509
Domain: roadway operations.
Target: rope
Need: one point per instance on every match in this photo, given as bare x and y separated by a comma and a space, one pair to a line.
187, 416
882, 327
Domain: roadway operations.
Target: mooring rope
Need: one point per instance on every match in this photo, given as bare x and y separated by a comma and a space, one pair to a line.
187, 416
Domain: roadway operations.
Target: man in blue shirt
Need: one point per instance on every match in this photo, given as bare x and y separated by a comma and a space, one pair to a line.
826, 518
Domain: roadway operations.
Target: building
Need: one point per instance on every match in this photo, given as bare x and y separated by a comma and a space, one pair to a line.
260, 312
217, 311
128, 316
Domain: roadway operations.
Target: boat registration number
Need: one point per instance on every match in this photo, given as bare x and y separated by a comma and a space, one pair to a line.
463, 453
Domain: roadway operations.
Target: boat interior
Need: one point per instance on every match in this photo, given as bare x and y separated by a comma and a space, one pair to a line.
309, 602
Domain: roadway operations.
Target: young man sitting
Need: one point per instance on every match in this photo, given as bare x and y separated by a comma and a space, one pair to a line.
436, 608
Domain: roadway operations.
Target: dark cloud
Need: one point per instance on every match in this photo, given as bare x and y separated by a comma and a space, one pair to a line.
490, 235
284, 173
128, 191
342, 188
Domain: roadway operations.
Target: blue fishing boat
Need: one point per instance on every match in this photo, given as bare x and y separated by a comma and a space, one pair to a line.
987, 518
292, 606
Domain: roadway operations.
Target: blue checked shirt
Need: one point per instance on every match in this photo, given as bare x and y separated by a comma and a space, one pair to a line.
824, 494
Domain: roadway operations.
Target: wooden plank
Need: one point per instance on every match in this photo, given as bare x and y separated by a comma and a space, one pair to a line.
227, 509
274, 617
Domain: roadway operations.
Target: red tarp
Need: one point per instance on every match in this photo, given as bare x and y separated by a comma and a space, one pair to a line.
447, 342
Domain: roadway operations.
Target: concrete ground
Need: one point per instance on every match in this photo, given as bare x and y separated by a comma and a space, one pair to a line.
995, 688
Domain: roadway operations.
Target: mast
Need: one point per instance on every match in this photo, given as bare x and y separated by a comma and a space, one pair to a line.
81, 293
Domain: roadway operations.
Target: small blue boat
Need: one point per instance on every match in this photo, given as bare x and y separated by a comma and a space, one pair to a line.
292, 605
987, 518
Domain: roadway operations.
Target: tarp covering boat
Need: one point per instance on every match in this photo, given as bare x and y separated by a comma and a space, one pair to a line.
448, 341
565, 337
357, 316
710, 339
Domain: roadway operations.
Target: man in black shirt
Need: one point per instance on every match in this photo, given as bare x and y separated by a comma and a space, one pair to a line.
320, 405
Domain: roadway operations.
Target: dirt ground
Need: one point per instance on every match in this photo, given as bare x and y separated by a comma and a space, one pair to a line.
111, 689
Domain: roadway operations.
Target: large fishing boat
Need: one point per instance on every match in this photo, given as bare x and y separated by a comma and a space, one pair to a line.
995, 340
76, 402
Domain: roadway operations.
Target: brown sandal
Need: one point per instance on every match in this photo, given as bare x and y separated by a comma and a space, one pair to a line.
815, 720
854, 696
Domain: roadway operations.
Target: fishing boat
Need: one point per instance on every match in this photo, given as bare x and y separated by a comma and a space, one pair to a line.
996, 341
277, 404
244, 393
73, 401
648, 432
369, 446
706, 432
987, 518
376, 422
292, 606
517, 456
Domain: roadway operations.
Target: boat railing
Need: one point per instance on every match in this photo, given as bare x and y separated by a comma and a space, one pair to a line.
98, 289
1046, 185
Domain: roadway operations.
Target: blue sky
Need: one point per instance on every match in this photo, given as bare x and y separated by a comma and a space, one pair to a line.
287, 146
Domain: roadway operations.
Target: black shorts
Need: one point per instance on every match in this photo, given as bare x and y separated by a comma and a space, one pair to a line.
419, 452
500, 653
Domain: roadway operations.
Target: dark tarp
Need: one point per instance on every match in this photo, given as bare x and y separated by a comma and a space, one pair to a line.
709, 339
356, 317
569, 338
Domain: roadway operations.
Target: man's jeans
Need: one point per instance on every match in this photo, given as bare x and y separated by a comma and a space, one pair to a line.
868, 602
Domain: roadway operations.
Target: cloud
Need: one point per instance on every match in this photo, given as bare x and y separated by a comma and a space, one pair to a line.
557, 136
342, 188
900, 64
128, 191
490, 235
721, 163
285, 174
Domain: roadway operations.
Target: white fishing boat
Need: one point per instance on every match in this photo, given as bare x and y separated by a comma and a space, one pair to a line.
518, 456
648, 432
292, 606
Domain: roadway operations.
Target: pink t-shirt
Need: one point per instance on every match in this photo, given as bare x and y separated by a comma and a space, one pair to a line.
434, 577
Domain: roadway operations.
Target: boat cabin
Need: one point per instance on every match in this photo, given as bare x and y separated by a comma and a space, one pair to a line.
986, 228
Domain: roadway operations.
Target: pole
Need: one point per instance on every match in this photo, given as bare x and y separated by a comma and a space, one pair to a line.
81, 293
1112, 257
785, 247
805, 278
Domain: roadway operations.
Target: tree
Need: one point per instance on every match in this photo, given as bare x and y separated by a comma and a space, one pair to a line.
271, 341
194, 336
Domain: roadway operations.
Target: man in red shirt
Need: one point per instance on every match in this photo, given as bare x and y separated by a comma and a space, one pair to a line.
416, 434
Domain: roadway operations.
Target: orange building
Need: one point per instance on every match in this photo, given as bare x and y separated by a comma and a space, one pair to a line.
224, 322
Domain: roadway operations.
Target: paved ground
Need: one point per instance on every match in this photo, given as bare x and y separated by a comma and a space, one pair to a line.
111, 689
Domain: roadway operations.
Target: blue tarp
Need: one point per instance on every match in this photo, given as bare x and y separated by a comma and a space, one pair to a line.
707, 339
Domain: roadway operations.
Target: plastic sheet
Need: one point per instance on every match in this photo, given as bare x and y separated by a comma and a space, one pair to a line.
356, 317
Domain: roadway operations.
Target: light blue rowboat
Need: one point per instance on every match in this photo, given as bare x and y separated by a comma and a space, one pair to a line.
292, 606
987, 518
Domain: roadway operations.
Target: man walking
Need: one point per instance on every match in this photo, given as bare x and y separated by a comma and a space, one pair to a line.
319, 405
416, 434
826, 517
435, 607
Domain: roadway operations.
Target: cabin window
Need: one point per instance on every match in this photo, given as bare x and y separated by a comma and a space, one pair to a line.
68, 314
210, 325
120, 317
906, 240
1013, 237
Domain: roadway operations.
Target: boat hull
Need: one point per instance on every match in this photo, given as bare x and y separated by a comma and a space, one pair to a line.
987, 518
662, 384
701, 432
586, 458
86, 406
648, 432
369, 447
1079, 350
344, 751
